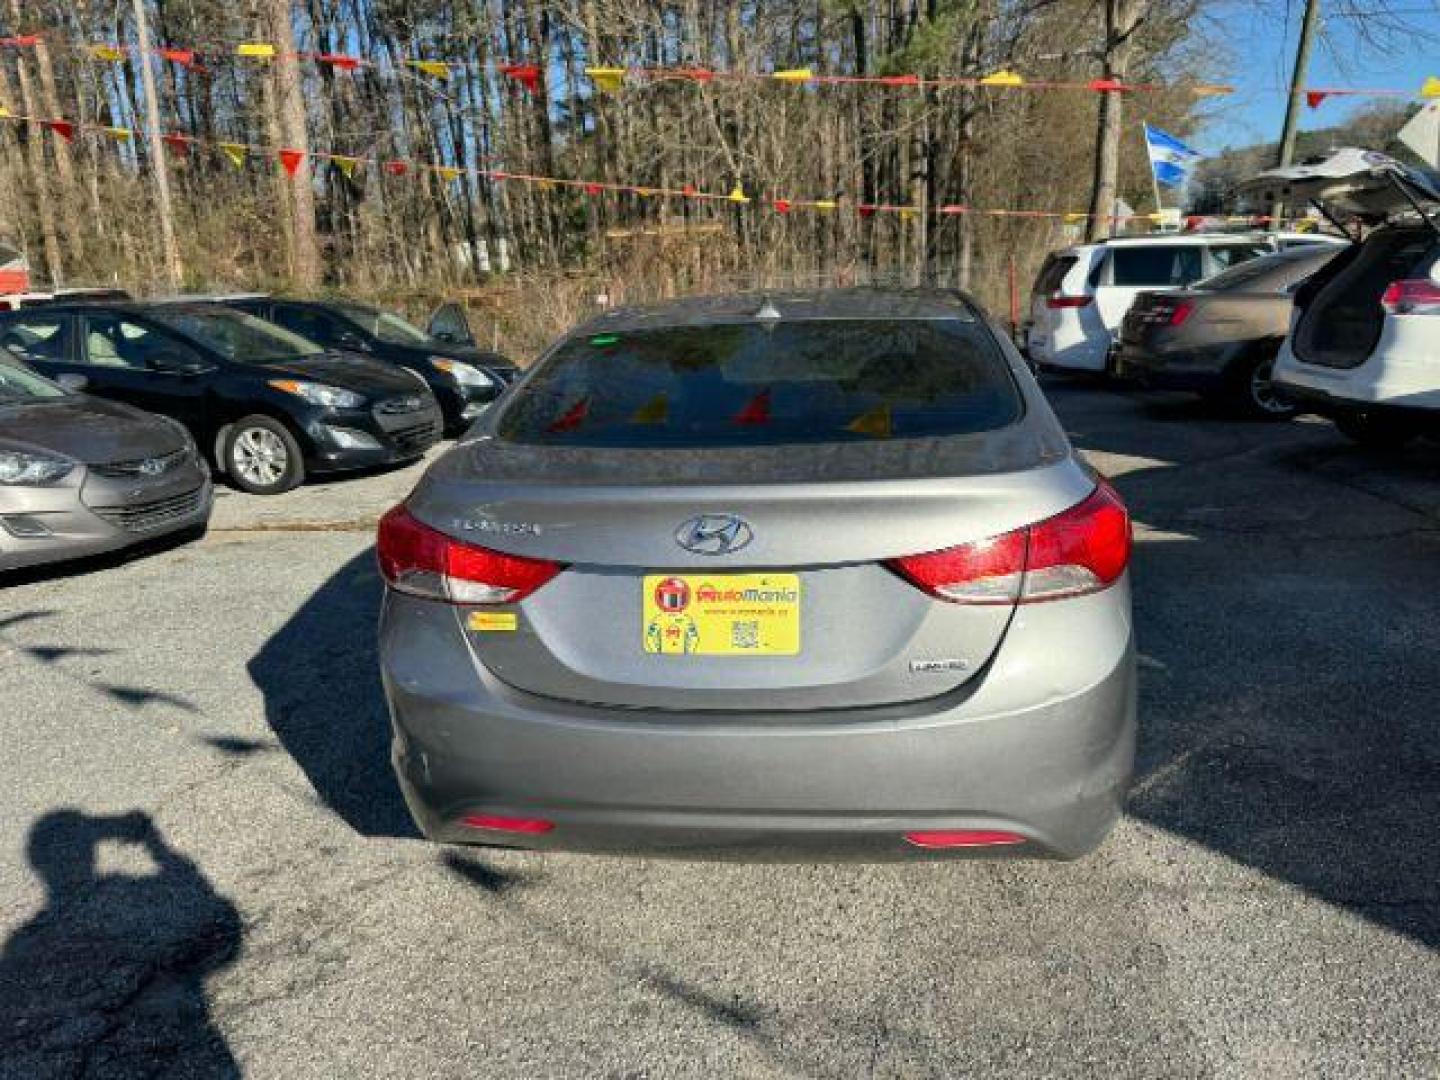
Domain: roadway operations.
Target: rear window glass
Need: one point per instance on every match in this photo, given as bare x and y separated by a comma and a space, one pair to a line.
1144, 266
750, 384
1273, 273
1053, 272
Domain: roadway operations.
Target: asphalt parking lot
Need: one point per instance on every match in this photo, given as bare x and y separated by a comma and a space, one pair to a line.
207, 869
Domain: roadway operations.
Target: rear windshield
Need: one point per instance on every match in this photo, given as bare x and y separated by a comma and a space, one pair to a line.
1143, 266
1052, 273
749, 384
1272, 273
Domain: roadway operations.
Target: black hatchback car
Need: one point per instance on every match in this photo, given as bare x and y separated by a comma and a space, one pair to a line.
464, 379
273, 406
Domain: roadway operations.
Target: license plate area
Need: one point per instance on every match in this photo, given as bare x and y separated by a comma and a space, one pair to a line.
721, 614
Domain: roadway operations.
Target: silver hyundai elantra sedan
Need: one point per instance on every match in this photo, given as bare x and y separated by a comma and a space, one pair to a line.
811, 573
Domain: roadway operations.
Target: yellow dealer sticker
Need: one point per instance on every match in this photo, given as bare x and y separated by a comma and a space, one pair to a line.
722, 614
492, 620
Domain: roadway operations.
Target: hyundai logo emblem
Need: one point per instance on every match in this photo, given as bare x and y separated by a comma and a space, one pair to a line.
714, 534
151, 467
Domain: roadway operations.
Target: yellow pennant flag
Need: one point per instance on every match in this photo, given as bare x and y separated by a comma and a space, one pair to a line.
643, 192
737, 195
1074, 219
255, 50
112, 53
1003, 78
5, 112
438, 68
654, 411
346, 165
794, 75
120, 134
448, 173
1430, 88
824, 204
236, 152
607, 79
545, 185
876, 422
908, 214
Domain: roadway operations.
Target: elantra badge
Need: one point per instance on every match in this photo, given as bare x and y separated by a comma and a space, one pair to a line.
714, 534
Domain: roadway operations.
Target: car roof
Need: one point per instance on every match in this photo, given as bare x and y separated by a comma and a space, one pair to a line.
782, 304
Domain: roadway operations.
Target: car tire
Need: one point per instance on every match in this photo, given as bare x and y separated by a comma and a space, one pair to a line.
1377, 432
1253, 389
261, 456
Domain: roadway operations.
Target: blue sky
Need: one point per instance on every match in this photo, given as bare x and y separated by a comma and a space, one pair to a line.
1264, 51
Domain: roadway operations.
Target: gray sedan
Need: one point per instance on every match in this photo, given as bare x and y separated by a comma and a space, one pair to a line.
80, 476
812, 573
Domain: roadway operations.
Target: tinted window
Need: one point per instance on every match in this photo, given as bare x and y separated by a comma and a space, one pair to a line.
1272, 273
18, 385
1235, 254
1052, 274
1147, 266
313, 324
236, 336
116, 341
383, 325
746, 384
37, 337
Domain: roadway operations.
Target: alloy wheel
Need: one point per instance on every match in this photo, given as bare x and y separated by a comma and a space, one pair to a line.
260, 457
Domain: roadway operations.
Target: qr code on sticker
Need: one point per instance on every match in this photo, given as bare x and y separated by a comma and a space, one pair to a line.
745, 635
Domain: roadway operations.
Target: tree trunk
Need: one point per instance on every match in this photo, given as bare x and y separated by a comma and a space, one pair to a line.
289, 104
1122, 18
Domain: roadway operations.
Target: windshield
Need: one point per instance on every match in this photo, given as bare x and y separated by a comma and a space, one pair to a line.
747, 384
391, 329
18, 385
1271, 273
236, 336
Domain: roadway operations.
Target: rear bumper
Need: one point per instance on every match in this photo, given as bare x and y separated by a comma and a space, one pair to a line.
1332, 407
1042, 746
1200, 369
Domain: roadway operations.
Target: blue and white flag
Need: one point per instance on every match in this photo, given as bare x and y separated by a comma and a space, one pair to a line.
1171, 160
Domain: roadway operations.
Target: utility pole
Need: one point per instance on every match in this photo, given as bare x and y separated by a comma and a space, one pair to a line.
1297, 93
156, 150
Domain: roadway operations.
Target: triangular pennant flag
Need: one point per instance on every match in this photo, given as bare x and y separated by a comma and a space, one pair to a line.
899, 80
572, 418
527, 75
865, 210
782, 206
737, 195
64, 128
643, 192
824, 204
908, 213
1430, 88
291, 160
592, 189
346, 165
544, 185
1074, 218
756, 410
607, 79
396, 168
654, 411
689, 191
438, 68
448, 173
1107, 86
1003, 78
794, 75
5, 112
22, 41
235, 151
700, 75
183, 57
177, 144
255, 50
340, 61
110, 53
877, 423
1313, 98
120, 134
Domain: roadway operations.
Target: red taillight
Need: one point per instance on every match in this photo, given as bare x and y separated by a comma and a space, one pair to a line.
1420, 296
962, 838
1082, 550
495, 823
1058, 301
422, 561
1181, 312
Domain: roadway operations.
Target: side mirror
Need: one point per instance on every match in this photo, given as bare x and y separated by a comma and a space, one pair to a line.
72, 381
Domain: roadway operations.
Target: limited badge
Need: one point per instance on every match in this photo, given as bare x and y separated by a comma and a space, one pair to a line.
493, 620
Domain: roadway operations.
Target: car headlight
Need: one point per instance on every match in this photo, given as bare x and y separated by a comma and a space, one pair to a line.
20, 469
462, 373
331, 397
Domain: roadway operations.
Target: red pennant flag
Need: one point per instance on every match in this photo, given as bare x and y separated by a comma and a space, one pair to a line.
64, 128
22, 41
593, 189
290, 161
899, 80
865, 210
782, 206
183, 57
700, 75
573, 417
1108, 86
756, 410
396, 168
527, 75
1313, 98
177, 144
689, 191
339, 61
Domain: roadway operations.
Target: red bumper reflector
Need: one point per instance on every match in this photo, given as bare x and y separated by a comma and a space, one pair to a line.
531, 826
963, 838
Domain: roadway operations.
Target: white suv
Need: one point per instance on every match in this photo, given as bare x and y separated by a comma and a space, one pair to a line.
1364, 344
1082, 293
